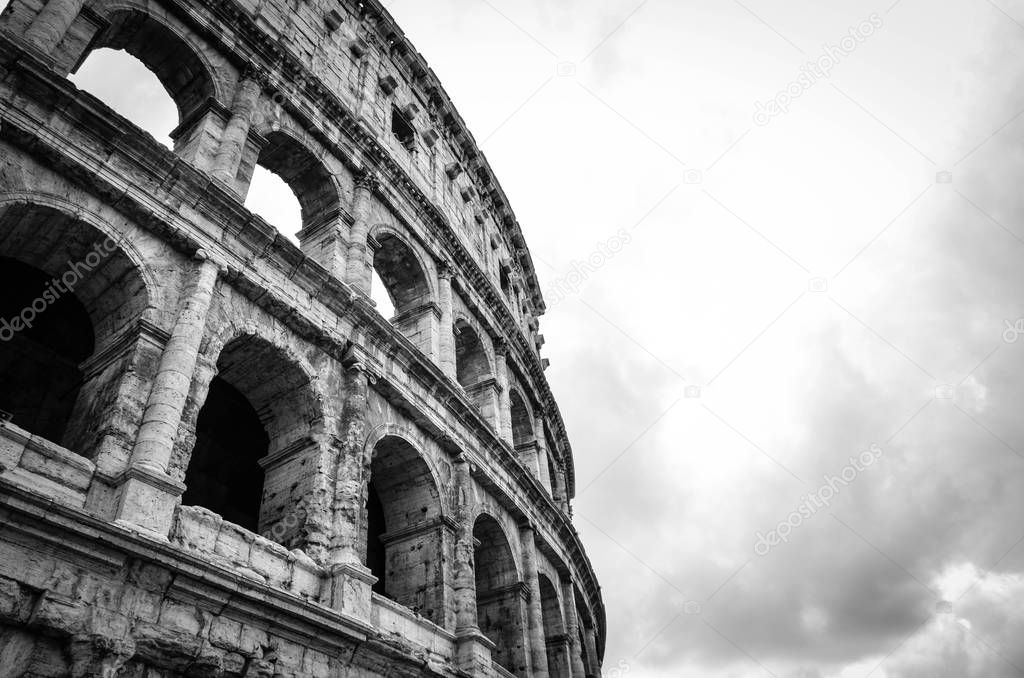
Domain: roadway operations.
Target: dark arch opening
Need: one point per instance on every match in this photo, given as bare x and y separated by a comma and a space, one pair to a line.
471, 364
554, 626
522, 422
406, 524
258, 405
376, 527
41, 348
400, 273
499, 602
225, 475
79, 292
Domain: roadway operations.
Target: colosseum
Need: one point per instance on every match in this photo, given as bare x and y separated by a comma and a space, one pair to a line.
217, 457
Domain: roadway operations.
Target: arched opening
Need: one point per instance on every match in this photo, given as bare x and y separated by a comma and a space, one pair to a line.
253, 441
404, 544
69, 294
122, 81
225, 475
554, 626
499, 601
400, 274
283, 163
471, 364
522, 422
41, 351
271, 198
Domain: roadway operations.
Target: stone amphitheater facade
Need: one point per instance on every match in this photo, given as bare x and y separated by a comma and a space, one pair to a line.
216, 457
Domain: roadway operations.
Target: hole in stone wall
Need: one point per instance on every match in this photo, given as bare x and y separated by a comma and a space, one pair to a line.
124, 83
224, 474
40, 376
402, 128
270, 197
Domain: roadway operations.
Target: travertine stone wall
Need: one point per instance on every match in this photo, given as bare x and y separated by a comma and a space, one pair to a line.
216, 457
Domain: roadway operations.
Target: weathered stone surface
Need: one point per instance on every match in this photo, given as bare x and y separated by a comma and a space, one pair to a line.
216, 458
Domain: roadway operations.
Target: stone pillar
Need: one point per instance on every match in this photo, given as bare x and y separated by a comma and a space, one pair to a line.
446, 340
327, 244
572, 629
349, 583
359, 264
474, 649
503, 422
590, 641
148, 493
236, 132
538, 641
465, 574
48, 28
174, 375
544, 472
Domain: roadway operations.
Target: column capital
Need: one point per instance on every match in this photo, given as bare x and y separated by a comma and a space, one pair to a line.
445, 270
367, 179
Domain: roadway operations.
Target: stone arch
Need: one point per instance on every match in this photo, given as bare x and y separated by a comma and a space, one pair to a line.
291, 157
523, 429
499, 594
554, 623
402, 268
73, 292
255, 438
405, 527
473, 362
181, 67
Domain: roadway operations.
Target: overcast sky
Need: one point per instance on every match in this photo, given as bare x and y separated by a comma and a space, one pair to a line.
776, 284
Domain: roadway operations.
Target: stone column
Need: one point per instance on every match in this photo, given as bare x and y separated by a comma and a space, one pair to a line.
52, 23
236, 132
465, 574
503, 422
359, 264
538, 640
446, 340
590, 641
572, 629
148, 492
349, 583
544, 472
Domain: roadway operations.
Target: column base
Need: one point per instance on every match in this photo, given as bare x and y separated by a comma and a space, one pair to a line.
146, 500
473, 652
349, 589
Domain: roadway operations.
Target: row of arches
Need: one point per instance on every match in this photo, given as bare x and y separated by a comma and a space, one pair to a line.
283, 174
256, 412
